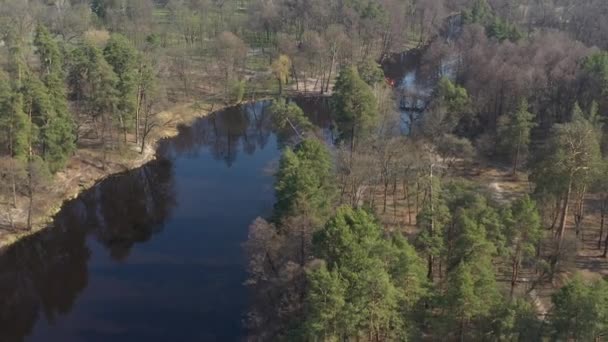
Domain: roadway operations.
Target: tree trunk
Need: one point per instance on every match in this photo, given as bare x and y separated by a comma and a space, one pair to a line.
295, 77
556, 212
603, 216
31, 201
137, 112
432, 226
430, 262
516, 160
409, 204
14, 169
385, 194
562, 223
514, 274
395, 199
331, 66
417, 197
605, 247
562, 226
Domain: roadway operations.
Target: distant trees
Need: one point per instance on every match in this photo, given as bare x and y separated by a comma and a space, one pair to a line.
498, 75
230, 52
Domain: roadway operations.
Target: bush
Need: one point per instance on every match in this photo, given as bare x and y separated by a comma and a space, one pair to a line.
236, 91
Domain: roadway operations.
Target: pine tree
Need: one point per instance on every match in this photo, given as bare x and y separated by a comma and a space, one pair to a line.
580, 310
60, 131
93, 84
123, 57
304, 181
568, 164
354, 105
514, 133
524, 232
13, 120
380, 279
288, 115
325, 303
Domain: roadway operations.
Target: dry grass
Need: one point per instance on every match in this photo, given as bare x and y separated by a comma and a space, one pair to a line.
86, 168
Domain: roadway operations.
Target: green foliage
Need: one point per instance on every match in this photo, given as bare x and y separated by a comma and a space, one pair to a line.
370, 72
287, 115
236, 91
502, 30
354, 104
572, 157
496, 27
471, 294
480, 13
326, 301
524, 229
304, 181
407, 270
48, 51
13, 120
432, 221
477, 236
93, 81
373, 280
280, 69
512, 320
450, 105
452, 148
123, 57
99, 8
597, 66
59, 128
580, 310
452, 96
514, 133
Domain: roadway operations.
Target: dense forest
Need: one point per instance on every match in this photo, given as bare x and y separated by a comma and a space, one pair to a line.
377, 234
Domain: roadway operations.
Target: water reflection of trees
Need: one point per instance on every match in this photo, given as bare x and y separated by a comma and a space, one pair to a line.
42, 275
245, 128
130, 208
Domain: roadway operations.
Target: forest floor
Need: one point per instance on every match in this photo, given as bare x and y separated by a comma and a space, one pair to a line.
86, 168
504, 187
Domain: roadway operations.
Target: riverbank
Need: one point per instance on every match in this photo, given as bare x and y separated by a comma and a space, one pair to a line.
85, 169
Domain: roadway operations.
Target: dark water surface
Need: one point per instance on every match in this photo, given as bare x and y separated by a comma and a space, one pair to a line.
153, 254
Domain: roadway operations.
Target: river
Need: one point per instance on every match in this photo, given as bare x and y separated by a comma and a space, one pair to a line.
153, 254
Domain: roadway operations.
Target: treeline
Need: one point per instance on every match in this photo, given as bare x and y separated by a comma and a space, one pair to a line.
325, 268
540, 99
82, 73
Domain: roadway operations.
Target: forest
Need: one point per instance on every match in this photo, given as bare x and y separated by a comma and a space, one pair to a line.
469, 205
